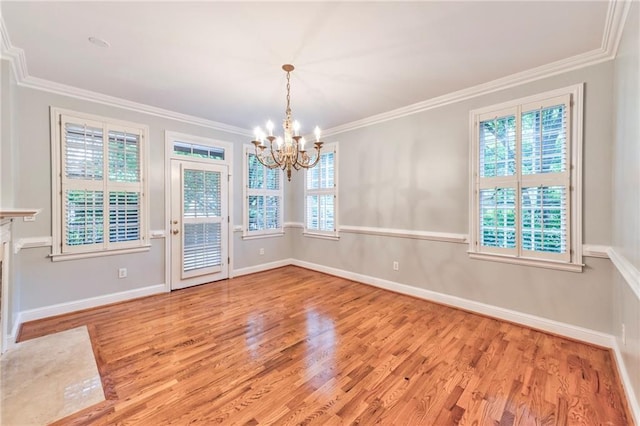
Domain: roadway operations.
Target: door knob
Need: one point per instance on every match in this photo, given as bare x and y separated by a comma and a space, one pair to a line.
175, 222
175, 231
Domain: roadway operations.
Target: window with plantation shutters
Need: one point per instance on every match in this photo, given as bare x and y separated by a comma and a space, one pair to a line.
263, 196
98, 184
526, 188
321, 194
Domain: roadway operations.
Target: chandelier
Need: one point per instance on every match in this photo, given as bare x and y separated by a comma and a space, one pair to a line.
289, 150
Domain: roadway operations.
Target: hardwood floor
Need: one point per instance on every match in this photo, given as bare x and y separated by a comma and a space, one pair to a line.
293, 346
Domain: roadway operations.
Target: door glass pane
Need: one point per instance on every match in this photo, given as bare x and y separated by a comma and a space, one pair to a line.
201, 194
198, 151
202, 246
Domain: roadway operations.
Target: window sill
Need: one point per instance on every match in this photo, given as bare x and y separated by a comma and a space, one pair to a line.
59, 257
549, 264
333, 237
260, 236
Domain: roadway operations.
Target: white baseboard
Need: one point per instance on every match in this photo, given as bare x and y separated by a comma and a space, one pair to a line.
77, 305
262, 267
544, 324
632, 400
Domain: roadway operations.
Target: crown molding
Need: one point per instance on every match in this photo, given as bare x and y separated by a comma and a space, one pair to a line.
14, 55
88, 95
617, 12
614, 24
18, 62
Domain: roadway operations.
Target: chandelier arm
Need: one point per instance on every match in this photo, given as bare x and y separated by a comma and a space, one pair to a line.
315, 161
259, 157
279, 161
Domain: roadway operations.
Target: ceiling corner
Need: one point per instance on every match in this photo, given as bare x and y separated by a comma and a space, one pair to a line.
614, 25
13, 54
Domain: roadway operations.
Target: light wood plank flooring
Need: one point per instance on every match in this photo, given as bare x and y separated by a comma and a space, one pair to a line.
293, 346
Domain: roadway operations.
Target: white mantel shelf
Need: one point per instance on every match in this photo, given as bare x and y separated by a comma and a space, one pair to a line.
6, 213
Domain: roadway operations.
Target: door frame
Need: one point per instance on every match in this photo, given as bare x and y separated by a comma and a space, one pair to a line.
170, 139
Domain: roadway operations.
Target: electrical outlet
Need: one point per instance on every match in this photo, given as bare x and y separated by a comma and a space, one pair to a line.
122, 273
624, 336
396, 265
261, 251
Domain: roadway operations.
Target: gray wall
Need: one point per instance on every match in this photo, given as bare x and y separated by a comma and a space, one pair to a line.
413, 173
6, 151
626, 192
42, 282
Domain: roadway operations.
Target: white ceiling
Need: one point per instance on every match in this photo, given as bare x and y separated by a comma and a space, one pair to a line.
222, 60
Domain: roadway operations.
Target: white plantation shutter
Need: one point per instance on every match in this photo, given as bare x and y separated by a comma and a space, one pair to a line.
522, 187
321, 194
202, 246
202, 201
263, 197
101, 184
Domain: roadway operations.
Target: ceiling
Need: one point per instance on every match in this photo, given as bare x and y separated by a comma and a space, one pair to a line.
222, 60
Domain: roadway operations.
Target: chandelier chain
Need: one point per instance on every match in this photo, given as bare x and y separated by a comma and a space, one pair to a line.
288, 152
288, 111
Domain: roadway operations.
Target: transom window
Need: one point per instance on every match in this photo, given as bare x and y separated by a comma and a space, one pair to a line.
198, 151
99, 184
525, 189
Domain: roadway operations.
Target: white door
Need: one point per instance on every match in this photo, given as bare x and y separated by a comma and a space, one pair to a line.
199, 223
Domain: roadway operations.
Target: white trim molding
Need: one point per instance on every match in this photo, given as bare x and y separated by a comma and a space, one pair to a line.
614, 24
157, 233
16, 56
628, 271
533, 321
262, 267
31, 242
448, 237
592, 250
627, 383
91, 302
298, 225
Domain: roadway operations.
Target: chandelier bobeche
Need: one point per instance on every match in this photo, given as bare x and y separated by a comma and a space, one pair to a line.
289, 151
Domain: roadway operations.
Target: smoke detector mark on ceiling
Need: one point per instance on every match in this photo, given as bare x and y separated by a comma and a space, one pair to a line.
99, 42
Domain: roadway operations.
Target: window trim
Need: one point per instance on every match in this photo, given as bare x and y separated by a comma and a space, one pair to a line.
327, 235
246, 192
57, 217
574, 166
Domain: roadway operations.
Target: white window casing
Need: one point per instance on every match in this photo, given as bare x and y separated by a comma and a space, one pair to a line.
321, 195
526, 189
99, 185
263, 198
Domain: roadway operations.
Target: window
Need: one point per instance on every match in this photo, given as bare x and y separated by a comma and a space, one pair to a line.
526, 188
98, 184
198, 151
321, 195
263, 197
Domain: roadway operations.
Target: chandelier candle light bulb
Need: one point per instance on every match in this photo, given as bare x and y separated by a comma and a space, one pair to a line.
293, 154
